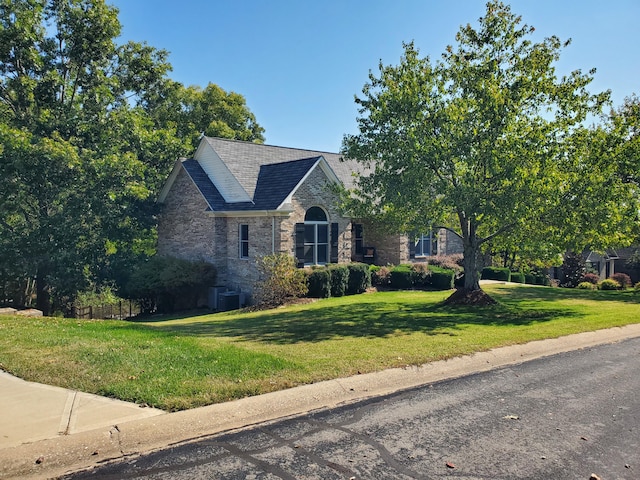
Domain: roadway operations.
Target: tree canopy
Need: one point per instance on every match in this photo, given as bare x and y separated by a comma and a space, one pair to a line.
89, 130
488, 140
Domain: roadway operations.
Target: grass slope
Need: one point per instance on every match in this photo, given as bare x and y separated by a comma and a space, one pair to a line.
179, 363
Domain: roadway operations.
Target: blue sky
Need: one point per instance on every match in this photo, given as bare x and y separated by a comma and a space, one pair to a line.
300, 63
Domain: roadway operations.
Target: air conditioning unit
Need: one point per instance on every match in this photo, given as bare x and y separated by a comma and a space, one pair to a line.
214, 297
228, 301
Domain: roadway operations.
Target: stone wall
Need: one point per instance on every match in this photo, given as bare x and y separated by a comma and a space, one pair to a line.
242, 273
185, 230
449, 242
391, 249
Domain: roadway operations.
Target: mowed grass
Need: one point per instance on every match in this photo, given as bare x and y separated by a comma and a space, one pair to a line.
179, 363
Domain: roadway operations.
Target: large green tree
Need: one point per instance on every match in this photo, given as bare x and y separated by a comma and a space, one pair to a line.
488, 140
210, 111
89, 131
624, 141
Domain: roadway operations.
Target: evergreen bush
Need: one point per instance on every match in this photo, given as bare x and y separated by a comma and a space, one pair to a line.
421, 275
359, 278
496, 273
401, 277
442, 279
517, 277
586, 286
319, 283
339, 279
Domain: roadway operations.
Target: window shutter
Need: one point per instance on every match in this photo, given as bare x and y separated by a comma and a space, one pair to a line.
300, 244
358, 240
412, 247
334, 243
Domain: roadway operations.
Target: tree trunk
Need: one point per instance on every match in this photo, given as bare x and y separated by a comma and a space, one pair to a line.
470, 264
43, 302
470, 293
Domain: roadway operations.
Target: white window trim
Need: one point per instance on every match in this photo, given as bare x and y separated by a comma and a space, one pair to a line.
431, 235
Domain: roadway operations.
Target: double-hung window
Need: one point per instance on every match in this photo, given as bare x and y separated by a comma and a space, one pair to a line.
426, 244
244, 240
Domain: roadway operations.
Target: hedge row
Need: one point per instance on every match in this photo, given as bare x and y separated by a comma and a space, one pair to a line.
505, 275
338, 280
417, 275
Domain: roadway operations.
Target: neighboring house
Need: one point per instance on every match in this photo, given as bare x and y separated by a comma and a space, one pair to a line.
614, 261
602, 263
236, 201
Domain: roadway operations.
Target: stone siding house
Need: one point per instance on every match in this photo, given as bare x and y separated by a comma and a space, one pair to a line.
236, 201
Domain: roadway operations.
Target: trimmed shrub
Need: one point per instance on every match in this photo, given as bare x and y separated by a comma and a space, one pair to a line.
495, 273
380, 276
517, 277
339, 280
591, 278
586, 286
401, 277
609, 284
542, 279
530, 278
623, 279
421, 275
442, 279
359, 278
636, 287
319, 283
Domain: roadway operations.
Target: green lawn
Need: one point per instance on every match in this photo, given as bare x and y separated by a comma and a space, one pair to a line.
179, 363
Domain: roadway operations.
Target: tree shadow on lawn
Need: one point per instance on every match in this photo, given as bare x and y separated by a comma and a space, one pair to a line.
510, 295
366, 319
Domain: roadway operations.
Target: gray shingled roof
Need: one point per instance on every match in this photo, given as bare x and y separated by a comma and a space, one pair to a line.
244, 160
277, 180
270, 173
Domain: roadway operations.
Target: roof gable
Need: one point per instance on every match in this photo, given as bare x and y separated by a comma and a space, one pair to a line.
226, 182
244, 159
234, 176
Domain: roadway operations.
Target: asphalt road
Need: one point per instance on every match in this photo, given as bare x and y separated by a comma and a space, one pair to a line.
561, 417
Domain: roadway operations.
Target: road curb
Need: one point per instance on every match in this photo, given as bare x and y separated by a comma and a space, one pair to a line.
55, 457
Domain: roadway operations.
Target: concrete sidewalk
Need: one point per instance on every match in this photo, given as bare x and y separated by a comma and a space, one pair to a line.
30, 412
48, 431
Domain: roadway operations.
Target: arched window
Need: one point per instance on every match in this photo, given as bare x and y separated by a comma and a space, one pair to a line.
316, 237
